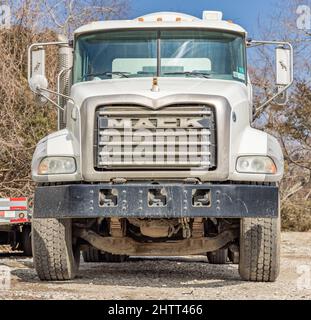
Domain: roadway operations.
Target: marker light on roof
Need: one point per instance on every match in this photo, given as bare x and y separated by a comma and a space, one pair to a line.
212, 15
167, 17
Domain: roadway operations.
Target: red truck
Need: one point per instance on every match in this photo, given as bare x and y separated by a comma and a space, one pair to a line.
15, 227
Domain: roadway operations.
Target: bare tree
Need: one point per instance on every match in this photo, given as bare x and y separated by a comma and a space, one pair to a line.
290, 124
67, 15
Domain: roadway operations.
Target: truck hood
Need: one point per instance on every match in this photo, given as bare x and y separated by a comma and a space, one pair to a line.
235, 92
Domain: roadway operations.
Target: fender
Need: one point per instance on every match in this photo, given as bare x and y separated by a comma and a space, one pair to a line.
62, 144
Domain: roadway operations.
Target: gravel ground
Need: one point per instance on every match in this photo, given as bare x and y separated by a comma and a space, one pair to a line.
167, 278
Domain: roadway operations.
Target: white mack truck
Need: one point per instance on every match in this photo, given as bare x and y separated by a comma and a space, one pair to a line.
155, 153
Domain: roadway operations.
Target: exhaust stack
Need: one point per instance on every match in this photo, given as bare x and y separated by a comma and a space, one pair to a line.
65, 63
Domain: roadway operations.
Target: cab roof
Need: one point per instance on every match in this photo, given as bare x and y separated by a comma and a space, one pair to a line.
211, 20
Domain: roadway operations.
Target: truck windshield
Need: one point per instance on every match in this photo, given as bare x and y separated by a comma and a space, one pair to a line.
165, 53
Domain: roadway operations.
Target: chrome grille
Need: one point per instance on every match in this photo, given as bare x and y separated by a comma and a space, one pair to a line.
174, 137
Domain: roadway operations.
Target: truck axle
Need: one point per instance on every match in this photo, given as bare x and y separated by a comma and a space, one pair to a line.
128, 246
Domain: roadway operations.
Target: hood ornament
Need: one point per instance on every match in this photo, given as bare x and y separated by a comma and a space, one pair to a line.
155, 85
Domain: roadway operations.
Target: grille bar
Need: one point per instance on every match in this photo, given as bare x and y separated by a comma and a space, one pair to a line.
157, 143
115, 132
155, 164
151, 153
153, 113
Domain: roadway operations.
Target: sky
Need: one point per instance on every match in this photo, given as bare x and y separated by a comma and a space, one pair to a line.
243, 12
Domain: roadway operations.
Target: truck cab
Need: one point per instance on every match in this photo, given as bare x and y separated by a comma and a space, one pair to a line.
155, 153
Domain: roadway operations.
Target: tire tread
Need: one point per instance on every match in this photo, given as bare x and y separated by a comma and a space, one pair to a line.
54, 258
260, 249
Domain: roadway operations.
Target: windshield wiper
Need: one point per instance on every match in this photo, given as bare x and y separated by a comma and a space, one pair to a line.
189, 73
107, 73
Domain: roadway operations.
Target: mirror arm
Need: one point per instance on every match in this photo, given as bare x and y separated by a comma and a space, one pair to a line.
272, 98
254, 43
57, 93
50, 100
39, 91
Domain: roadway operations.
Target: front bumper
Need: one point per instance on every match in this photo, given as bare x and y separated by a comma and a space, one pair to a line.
133, 200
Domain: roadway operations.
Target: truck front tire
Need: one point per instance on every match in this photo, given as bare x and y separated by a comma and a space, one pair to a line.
259, 249
55, 256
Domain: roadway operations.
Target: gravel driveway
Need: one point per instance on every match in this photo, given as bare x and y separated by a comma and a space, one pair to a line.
167, 278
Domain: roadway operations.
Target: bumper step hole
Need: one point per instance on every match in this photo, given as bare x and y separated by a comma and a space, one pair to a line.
157, 197
201, 198
108, 197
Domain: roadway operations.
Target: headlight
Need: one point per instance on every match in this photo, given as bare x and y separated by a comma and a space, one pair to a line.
256, 164
57, 165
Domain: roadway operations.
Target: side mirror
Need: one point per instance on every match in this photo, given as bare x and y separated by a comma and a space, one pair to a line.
284, 58
283, 73
37, 77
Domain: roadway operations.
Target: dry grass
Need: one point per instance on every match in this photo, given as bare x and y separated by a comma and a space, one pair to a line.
296, 216
22, 122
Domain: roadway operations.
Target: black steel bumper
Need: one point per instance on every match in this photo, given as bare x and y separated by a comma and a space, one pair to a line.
133, 200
